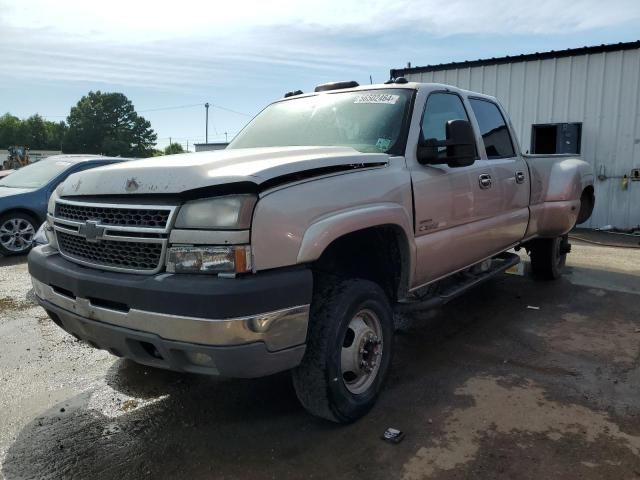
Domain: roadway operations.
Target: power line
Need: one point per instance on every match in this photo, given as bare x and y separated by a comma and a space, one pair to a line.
176, 107
212, 105
196, 137
230, 111
170, 108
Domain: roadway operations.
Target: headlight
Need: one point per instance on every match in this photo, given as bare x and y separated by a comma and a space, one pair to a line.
232, 212
46, 229
45, 236
231, 259
51, 206
40, 238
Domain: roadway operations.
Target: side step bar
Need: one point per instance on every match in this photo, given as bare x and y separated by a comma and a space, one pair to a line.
499, 264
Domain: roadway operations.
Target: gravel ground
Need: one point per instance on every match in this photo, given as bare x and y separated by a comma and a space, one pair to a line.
483, 388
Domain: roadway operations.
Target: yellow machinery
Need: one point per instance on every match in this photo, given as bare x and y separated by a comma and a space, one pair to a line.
18, 157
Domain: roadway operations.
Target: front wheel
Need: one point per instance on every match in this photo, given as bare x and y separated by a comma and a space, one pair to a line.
349, 350
549, 256
17, 231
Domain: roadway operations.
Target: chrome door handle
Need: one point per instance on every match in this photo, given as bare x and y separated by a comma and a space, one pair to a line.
485, 181
520, 177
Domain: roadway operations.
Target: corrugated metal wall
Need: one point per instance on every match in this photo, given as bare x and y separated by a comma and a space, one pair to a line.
601, 90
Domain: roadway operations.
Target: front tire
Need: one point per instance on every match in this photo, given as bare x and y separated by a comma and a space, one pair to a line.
549, 256
17, 231
349, 350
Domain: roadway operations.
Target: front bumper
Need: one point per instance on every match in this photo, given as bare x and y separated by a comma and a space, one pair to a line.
243, 327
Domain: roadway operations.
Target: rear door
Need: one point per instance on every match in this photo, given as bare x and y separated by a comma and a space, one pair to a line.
509, 178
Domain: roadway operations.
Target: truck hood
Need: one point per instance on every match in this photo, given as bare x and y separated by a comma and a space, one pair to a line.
190, 171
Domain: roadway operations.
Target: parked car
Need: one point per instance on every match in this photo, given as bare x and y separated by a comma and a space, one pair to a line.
24, 195
290, 249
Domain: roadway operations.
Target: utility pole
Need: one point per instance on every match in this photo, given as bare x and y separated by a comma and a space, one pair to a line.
206, 128
170, 142
226, 140
187, 145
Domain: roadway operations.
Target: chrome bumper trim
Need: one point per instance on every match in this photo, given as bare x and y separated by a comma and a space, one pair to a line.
278, 330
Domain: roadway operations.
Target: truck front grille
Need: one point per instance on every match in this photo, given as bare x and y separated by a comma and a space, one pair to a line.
126, 255
107, 236
116, 216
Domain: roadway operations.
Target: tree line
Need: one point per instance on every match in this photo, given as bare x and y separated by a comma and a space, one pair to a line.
35, 132
100, 123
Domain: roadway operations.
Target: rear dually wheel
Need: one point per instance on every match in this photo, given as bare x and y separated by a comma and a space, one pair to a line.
549, 256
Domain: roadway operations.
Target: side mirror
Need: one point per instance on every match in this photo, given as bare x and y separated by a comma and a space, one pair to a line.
458, 150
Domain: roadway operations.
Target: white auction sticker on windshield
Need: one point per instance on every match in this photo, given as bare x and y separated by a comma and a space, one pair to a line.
385, 98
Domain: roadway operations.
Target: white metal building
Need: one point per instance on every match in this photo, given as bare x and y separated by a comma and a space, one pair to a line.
582, 100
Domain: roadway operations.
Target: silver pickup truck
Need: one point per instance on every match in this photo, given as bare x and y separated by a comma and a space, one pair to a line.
291, 249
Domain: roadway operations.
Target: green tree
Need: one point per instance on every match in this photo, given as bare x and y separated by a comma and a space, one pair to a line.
9, 130
55, 134
173, 148
34, 132
107, 123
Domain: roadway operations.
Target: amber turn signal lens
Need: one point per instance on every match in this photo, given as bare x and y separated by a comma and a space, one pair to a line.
242, 259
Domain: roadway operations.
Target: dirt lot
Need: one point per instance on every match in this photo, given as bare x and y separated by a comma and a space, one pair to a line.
484, 388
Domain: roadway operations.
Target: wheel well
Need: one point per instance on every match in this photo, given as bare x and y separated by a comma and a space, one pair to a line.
587, 202
24, 211
379, 254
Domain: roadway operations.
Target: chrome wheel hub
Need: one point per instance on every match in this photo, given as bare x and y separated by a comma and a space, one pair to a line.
16, 234
362, 349
560, 250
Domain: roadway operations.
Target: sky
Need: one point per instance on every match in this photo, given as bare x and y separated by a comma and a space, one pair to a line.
170, 58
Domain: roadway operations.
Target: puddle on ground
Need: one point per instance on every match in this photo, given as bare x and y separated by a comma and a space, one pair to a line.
612, 339
524, 410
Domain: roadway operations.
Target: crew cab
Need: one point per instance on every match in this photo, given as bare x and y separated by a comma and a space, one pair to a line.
291, 249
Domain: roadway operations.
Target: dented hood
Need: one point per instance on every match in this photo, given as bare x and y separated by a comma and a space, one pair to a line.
183, 172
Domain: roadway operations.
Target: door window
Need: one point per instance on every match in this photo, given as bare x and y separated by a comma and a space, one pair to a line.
440, 108
495, 134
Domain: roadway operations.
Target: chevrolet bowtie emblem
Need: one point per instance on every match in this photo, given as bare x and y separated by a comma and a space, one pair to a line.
91, 231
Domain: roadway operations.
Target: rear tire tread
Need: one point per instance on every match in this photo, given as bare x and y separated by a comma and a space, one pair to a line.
543, 261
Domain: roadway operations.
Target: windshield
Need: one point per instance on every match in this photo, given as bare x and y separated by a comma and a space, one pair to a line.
369, 121
35, 175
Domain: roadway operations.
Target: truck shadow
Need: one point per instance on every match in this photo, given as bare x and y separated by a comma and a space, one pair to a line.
12, 260
185, 424
191, 426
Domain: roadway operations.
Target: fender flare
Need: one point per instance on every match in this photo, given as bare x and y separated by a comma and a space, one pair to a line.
321, 233
567, 180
